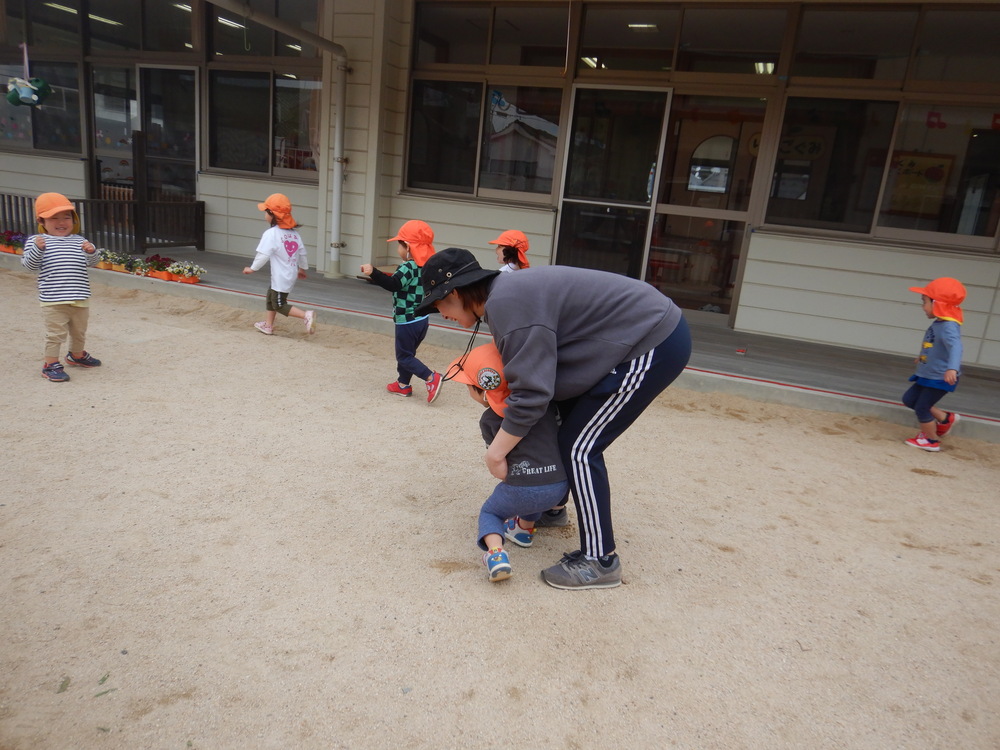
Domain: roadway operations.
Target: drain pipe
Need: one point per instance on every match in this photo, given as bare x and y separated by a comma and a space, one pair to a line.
243, 9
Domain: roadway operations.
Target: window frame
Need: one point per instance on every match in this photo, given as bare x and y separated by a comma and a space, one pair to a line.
273, 68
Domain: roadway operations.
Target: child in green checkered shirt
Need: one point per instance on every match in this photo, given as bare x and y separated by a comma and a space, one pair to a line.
415, 240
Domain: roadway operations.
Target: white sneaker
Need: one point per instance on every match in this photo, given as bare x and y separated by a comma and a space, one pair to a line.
310, 321
264, 328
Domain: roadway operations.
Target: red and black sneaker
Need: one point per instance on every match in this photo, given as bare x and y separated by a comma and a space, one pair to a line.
943, 428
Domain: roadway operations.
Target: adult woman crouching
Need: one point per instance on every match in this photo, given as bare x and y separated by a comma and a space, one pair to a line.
600, 345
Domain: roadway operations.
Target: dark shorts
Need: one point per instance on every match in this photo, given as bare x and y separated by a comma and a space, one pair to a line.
278, 302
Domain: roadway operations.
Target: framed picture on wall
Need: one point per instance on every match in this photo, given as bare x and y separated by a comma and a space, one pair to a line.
919, 182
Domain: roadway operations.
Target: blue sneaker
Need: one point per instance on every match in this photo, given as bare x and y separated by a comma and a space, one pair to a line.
497, 565
514, 532
55, 372
85, 361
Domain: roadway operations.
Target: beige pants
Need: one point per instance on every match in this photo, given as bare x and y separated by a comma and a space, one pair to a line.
63, 320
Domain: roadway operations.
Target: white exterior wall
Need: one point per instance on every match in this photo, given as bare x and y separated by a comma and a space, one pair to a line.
857, 295
26, 174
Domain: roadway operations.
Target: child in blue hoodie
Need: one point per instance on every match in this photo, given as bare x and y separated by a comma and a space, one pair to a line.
939, 362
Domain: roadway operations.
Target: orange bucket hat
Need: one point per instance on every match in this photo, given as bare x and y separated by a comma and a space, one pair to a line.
281, 208
517, 240
483, 368
48, 205
419, 236
947, 295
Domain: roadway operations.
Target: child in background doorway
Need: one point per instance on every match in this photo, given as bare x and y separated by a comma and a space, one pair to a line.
939, 362
535, 478
415, 246
61, 257
512, 250
282, 245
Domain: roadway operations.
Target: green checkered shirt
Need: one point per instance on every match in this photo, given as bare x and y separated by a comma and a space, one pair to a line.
407, 292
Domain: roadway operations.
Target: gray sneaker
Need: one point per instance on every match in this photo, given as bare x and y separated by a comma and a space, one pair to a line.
550, 518
575, 571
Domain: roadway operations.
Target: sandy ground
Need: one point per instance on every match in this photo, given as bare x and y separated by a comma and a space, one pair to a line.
226, 540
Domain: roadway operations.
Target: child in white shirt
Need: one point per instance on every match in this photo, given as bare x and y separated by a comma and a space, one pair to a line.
282, 245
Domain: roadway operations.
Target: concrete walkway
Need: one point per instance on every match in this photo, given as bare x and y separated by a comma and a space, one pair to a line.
765, 368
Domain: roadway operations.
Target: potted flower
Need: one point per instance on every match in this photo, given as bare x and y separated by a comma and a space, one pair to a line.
140, 267
157, 265
104, 258
186, 271
118, 260
12, 242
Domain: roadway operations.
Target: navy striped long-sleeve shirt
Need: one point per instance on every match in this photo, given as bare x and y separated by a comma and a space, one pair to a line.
61, 266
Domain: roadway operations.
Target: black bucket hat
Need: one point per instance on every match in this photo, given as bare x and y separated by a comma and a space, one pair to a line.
446, 271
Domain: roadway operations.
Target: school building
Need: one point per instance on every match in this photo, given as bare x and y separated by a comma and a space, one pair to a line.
791, 167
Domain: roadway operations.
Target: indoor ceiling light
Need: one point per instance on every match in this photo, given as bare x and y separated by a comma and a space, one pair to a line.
91, 16
230, 24
643, 27
764, 68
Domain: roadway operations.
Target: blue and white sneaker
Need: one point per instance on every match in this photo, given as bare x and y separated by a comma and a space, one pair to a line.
497, 565
83, 361
55, 372
514, 532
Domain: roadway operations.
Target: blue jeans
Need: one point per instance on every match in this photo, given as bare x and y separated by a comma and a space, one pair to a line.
408, 338
510, 500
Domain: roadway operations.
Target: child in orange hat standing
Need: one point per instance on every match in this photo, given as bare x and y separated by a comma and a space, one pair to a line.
282, 245
536, 479
61, 257
939, 362
512, 250
415, 245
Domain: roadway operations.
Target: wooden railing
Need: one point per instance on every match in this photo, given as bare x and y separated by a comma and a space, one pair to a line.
129, 226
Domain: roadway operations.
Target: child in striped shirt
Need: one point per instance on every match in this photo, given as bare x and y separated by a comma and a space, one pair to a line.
61, 257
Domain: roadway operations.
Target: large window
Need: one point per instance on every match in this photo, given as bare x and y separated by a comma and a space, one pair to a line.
519, 139
855, 43
234, 35
628, 37
296, 122
823, 95
494, 134
166, 26
709, 45
959, 45
829, 163
712, 148
944, 175
239, 120
260, 122
444, 131
52, 127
